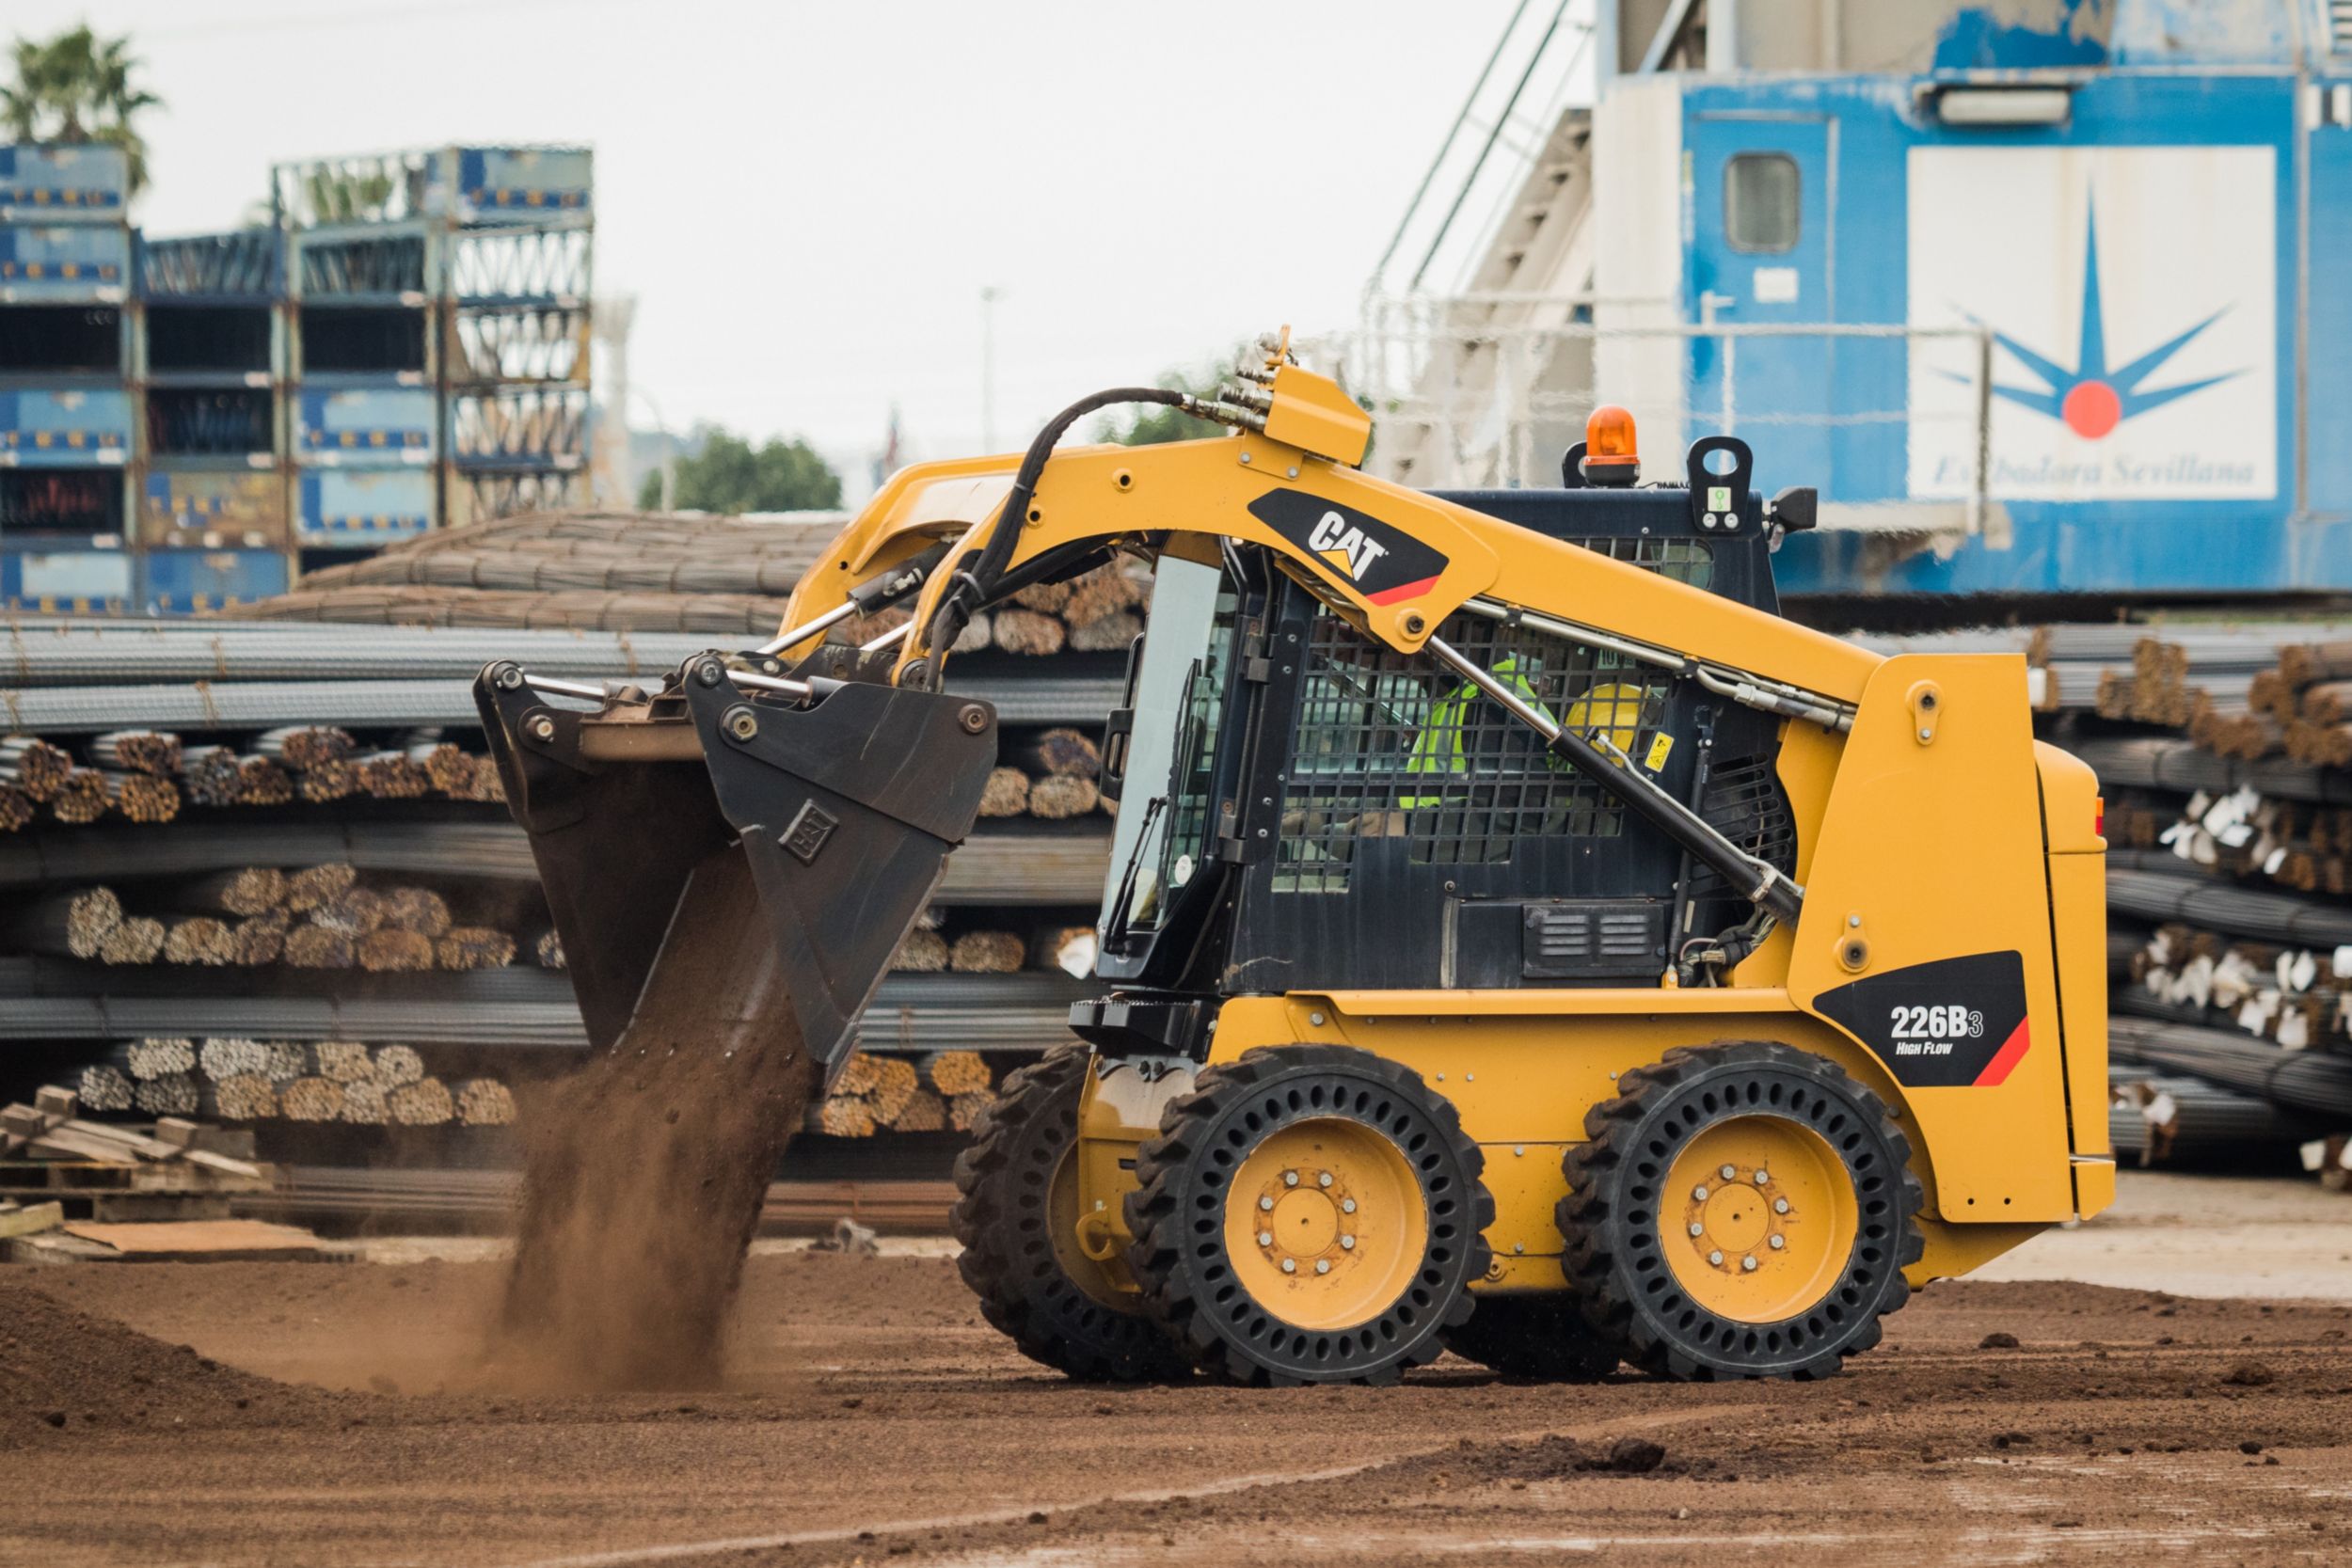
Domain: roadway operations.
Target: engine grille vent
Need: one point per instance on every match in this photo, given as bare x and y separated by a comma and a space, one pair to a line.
1592, 937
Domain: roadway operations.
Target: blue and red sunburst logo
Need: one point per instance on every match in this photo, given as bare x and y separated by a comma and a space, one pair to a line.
2090, 400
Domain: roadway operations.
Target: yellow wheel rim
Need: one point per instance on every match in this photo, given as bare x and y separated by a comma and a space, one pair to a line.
1326, 1224
1757, 1219
1061, 1224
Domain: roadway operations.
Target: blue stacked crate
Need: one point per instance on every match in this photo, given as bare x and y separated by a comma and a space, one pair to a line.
67, 427
365, 416
213, 529
516, 248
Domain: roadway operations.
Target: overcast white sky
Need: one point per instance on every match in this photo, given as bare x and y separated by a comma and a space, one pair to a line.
807, 198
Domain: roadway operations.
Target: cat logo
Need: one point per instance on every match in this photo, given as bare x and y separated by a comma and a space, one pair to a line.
1347, 549
1384, 565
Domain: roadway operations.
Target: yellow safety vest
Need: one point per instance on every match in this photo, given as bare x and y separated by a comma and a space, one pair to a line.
1613, 710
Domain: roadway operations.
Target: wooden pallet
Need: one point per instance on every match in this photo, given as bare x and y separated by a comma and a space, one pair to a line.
103, 1172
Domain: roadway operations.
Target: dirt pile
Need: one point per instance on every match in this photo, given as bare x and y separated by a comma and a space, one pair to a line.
645, 1171
61, 1369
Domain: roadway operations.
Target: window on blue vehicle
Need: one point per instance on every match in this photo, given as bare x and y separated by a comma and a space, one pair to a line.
1761, 193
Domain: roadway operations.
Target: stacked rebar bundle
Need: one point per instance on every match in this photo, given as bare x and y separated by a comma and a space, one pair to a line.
235, 1078
1049, 775
991, 949
97, 654
520, 1008
2159, 675
722, 575
2309, 696
150, 752
2170, 1118
2291, 996
2201, 901
933, 1093
318, 917
2307, 1081
2244, 835
142, 797
33, 767
2232, 1035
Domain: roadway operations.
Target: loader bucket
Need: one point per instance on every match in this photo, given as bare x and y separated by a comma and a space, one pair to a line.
832, 822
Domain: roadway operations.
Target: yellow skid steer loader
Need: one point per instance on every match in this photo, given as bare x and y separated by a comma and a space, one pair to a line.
1518, 939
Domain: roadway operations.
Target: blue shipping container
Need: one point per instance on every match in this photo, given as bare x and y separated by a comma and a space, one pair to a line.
40, 182
210, 510
64, 263
180, 581
523, 182
64, 580
361, 508
375, 427
41, 428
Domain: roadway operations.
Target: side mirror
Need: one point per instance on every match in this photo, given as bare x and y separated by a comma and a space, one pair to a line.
1795, 509
1119, 727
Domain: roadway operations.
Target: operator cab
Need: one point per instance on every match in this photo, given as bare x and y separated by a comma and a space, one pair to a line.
1302, 808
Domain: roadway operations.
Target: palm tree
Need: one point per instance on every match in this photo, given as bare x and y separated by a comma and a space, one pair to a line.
77, 87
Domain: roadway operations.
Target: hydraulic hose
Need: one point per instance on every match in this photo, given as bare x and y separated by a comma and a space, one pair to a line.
972, 588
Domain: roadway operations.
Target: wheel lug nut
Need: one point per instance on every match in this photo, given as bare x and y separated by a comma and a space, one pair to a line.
1265, 1238
1265, 1203
1780, 1205
1748, 1263
1698, 1195
1347, 1206
1729, 1172
1323, 1265
1715, 1256
1290, 1178
1290, 1265
1763, 1178
1779, 1242
1323, 1180
1697, 1230
1348, 1244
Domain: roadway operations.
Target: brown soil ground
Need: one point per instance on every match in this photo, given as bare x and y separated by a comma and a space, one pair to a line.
871, 1416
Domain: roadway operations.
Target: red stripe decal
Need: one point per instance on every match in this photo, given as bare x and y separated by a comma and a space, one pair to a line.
2005, 1060
1409, 591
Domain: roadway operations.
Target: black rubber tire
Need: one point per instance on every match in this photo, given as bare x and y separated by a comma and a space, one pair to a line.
1177, 1215
1003, 1181
1534, 1339
1609, 1219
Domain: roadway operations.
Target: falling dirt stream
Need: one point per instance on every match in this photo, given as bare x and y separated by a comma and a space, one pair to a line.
645, 1172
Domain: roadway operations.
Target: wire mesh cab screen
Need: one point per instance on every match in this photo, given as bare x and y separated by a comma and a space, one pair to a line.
1388, 747
1686, 561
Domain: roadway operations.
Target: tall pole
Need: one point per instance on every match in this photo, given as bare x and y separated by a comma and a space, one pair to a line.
669, 450
988, 295
612, 473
